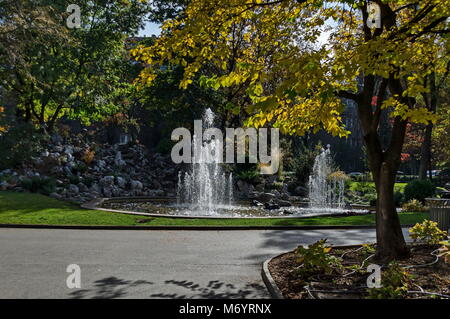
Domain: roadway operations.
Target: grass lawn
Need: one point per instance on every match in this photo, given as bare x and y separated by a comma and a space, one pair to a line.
400, 187
28, 208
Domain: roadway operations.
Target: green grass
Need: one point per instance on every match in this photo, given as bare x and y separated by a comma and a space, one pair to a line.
397, 187
28, 208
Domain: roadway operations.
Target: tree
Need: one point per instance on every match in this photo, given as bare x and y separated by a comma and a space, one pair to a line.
58, 71
297, 85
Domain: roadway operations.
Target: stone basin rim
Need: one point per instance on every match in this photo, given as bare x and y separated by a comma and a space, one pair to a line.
96, 203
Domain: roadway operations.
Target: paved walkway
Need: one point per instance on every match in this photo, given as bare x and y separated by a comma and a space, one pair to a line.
148, 264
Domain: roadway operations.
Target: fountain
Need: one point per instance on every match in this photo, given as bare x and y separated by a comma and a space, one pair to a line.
325, 191
205, 187
206, 191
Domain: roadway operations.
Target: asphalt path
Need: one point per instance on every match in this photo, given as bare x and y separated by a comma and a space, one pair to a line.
148, 264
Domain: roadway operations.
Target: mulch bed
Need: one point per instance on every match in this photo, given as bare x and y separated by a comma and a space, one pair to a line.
350, 284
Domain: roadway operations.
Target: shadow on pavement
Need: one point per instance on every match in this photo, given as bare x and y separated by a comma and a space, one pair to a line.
215, 289
107, 288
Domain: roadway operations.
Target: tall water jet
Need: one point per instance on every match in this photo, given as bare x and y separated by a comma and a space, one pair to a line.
325, 191
205, 186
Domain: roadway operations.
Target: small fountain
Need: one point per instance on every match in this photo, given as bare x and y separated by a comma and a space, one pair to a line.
325, 191
205, 187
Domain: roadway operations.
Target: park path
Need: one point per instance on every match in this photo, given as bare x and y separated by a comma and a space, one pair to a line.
148, 264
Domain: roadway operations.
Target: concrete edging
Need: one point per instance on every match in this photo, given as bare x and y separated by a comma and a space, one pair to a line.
270, 283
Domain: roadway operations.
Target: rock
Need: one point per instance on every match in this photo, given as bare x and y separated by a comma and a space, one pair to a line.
95, 188
118, 161
83, 188
260, 187
68, 150
283, 203
445, 195
107, 181
301, 191
4, 186
287, 212
245, 187
155, 193
121, 182
266, 197
55, 196
73, 189
253, 195
101, 164
136, 185
107, 191
56, 170
271, 205
256, 203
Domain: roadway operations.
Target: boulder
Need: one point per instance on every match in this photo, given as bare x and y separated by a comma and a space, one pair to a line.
136, 185
73, 190
271, 205
266, 197
301, 191
83, 188
245, 187
155, 193
107, 181
121, 182
283, 203
55, 196
4, 186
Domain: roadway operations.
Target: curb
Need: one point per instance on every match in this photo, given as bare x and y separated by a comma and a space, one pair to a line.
187, 228
271, 286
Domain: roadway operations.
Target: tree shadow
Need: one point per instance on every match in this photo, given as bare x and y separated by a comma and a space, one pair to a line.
108, 288
215, 289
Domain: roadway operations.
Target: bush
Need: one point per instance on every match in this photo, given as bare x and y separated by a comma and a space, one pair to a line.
419, 189
251, 176
414, 206
427, 232
399, 198
303, 165
36, 184
316, 259
18, 145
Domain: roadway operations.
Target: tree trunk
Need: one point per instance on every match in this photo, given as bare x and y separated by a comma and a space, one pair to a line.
425, 153
390, 241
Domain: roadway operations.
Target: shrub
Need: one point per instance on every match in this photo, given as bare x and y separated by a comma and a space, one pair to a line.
414, 206
251, 176
303, 164
419, 189
79, 168
339, 175
74, 179
399, 198
394, 283
88, 156
316, 259
427, 232
36, 184
18, 145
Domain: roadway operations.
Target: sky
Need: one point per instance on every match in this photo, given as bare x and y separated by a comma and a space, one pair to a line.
150, 29
154, 29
